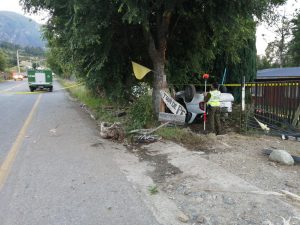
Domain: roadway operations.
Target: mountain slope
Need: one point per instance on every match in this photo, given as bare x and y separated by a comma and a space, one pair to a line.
20, 30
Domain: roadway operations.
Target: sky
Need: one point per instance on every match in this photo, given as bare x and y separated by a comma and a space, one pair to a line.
264, 35
13, 5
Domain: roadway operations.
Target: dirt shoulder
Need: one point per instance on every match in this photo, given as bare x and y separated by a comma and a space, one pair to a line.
222, 179
228, 181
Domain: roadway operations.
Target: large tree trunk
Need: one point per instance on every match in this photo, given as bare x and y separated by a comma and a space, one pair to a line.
159, 83
157, 52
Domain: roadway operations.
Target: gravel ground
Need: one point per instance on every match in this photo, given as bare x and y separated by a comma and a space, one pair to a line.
226, 181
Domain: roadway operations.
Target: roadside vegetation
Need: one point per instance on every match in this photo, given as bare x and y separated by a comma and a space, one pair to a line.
137, 115
177, 40
28, 57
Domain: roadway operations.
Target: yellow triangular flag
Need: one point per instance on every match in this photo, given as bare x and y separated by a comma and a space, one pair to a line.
139, 70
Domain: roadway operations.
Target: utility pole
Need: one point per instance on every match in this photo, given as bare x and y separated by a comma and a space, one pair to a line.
18, 62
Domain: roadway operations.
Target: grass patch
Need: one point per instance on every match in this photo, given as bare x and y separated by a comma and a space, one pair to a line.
153, 189
102, 108
139, 115
184, 136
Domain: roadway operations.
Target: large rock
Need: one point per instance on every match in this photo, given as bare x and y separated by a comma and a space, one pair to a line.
281, 156
182, 217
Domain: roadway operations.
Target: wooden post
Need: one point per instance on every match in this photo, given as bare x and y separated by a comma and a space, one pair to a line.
204, 122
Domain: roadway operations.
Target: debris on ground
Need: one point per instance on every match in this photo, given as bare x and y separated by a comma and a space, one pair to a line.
145, 138
292, 137
112, 131
288, 221
52, 131
263, 126
148, 131
87, 110
145, 135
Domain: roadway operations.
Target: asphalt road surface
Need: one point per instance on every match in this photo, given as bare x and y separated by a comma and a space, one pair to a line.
51, 172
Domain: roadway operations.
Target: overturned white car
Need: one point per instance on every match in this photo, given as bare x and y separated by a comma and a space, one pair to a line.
194, 102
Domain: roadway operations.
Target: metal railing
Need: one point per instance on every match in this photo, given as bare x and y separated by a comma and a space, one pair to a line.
276, 104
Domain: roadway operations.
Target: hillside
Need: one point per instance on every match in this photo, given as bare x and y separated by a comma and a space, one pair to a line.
20, 30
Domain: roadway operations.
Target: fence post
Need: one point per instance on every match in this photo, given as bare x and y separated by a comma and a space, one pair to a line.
242, 115
243, 95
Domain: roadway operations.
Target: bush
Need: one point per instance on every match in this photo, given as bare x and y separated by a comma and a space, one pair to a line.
141, 114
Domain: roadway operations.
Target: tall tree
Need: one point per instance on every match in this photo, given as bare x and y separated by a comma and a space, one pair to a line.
3, 61
277, 50
160, 19
262, 62
294, 48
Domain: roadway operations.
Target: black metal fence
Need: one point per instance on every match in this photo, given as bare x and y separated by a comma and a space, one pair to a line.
276, 104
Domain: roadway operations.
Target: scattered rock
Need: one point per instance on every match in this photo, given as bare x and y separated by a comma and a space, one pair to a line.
281, 156
199, 199
228, 200
201, 219
186, 192
182, 217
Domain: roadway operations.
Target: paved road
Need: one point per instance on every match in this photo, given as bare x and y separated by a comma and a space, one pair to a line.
52, 173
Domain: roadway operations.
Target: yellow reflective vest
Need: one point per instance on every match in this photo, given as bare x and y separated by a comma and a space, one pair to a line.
214, 100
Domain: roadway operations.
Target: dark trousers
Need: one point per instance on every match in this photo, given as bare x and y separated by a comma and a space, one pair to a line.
214, 122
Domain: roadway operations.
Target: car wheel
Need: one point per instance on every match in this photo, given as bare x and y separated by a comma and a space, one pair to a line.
223, 89
189, 93
32, 89
51, 89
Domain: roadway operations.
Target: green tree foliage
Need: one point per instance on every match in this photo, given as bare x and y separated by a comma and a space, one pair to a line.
294, 48
35, 65
277, 51
26, 53
262, 63
3, 61
33, 51
98, 39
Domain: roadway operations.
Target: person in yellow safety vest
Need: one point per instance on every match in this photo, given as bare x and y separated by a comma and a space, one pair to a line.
212, 100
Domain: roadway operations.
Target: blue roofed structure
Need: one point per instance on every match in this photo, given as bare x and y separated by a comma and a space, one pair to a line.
288, 73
